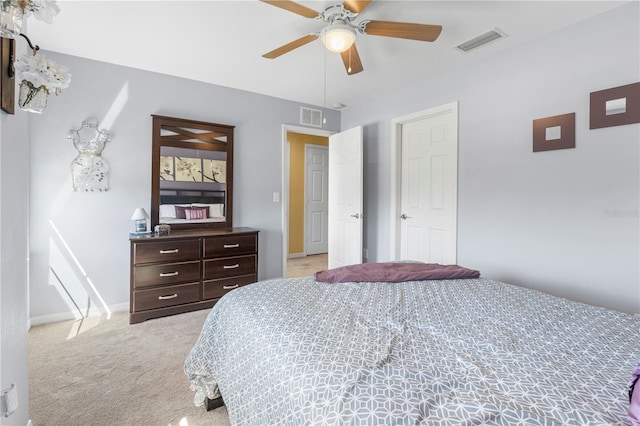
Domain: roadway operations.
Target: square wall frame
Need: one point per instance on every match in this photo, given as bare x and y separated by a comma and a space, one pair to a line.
615, 107
557, 132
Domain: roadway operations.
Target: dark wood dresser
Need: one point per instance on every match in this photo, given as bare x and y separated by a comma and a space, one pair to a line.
189, 270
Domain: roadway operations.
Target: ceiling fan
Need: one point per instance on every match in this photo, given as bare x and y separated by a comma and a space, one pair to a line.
340, 34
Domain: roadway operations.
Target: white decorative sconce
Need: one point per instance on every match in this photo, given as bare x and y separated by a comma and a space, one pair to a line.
39, 76
13, 12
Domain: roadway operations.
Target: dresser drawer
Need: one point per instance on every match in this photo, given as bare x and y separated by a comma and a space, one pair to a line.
166, 251
189, 269
229, 267
230, 245
217, 288
165, 296
166, 273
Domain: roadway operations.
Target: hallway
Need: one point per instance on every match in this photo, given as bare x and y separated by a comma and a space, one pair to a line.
305, 266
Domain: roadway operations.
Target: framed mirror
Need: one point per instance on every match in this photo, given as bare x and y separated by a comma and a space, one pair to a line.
191, 173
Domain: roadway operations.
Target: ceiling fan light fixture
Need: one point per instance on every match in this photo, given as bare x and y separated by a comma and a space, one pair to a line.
338, 37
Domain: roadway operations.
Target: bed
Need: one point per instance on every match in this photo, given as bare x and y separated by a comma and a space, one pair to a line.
434, 352
179, 206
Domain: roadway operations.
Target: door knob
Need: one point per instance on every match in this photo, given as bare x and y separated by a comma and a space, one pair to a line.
404, 216
357, 216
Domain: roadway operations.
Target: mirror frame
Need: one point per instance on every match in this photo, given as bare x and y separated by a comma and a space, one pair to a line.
182, 137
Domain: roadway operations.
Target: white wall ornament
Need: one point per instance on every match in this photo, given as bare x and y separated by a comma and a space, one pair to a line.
89, 171
40, 77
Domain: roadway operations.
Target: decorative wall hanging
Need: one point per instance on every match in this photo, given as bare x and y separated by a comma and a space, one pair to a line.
89, 171
13, 12
558, 132
40, 76
32, 97
615, 107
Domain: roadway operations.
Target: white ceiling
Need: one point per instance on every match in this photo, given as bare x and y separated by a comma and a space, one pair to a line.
221, 42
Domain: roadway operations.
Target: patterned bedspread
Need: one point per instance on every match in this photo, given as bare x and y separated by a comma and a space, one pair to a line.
450, 352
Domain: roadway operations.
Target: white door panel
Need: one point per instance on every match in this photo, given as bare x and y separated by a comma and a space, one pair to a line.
345, 198
428, 188
317, 199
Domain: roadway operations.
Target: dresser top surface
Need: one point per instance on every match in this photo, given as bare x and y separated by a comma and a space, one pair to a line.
194, 233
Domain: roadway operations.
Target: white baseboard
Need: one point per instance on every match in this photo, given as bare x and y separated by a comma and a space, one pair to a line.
66, 316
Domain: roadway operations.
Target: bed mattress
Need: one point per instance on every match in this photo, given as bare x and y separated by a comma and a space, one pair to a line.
448, 352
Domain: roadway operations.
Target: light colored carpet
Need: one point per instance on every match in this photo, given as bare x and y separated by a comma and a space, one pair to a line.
103, 371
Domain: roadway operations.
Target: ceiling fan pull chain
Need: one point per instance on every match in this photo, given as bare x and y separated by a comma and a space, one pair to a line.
325, 78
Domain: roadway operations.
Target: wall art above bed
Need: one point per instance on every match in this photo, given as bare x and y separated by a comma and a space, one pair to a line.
185, 169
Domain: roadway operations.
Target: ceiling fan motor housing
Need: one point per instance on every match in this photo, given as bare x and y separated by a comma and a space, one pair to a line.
338, 36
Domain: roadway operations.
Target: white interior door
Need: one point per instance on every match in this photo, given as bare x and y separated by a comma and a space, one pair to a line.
316, 199
345, 198
429, 182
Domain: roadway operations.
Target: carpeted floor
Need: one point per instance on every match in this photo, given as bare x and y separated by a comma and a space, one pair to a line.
103, 371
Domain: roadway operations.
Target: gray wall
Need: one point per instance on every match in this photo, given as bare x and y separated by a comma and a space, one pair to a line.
564, 221
14, 189
83, 237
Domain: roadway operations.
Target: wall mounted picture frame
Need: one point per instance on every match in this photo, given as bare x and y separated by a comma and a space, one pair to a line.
614, 107
557, 132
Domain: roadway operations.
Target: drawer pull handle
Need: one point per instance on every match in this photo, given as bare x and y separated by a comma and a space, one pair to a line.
231, 245
237, 265
173, 296
169, 251
169, 274
229, 287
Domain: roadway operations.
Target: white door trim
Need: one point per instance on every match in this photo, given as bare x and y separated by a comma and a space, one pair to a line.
396, 159
286, 128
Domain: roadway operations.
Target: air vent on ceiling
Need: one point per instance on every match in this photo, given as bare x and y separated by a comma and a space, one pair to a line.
311, 117
481, 40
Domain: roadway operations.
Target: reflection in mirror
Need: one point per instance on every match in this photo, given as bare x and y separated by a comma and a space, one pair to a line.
193, 185
192, 173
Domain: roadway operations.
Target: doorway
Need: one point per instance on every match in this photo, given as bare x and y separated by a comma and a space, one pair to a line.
424, 185
294, 206
345, 200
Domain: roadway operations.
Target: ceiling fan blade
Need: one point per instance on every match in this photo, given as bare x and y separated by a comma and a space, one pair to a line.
290, 46
356, 6
351, 60
403, 30
293, 7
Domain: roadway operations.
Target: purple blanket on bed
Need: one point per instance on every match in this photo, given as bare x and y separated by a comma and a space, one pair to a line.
393, 272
